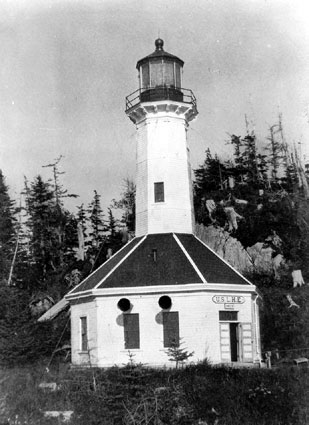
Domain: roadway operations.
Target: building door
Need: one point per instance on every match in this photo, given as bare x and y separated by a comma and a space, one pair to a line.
229, 336
234, 342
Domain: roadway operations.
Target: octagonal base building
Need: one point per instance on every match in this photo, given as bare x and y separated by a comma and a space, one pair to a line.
165, 288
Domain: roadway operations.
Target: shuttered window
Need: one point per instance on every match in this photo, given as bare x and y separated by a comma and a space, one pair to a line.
159, 192
84, 336
131, 331
171, 329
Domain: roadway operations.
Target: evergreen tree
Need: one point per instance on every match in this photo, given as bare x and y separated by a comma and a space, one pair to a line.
82, 219
275, 150
46, 252
262, 169
39, 205
81, 231
115, 239
127, 204
52, 234
178, 354
291, 179
109, 242
96, 220
237, 142
69, 237
112, 224
57, 187
237, 168
7, 230
211, 176
249, 158
211, 182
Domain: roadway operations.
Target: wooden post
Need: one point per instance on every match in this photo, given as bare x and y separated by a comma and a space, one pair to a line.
268, 359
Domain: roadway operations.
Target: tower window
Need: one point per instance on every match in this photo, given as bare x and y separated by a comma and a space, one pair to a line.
171, 329
159, 192
84, 336
131, 331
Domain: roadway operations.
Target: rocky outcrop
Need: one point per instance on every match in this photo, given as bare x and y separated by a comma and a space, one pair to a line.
229, 248
258, 258
261, 256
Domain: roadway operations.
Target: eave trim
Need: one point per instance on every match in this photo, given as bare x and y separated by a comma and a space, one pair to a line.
168, 289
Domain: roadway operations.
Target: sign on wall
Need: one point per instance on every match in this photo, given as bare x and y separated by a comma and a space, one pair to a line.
228, 299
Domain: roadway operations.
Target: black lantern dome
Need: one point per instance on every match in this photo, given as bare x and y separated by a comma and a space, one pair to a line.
160, 75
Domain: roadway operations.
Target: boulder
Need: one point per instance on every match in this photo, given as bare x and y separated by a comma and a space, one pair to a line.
62, 416
40, 303
262, 258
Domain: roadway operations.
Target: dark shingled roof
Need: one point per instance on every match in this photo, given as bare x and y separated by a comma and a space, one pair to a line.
140, 269
212, 267
158, 259
92, 280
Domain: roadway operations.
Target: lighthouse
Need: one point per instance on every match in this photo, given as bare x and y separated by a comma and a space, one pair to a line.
162, 110
165, 287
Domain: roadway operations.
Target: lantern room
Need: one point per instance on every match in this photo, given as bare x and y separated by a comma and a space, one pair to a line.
160, 75
160, 79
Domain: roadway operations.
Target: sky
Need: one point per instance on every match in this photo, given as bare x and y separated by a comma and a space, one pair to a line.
66, 67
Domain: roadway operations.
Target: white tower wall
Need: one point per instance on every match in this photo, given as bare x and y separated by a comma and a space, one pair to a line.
163, 157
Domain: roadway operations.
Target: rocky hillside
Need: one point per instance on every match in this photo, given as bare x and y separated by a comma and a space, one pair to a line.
260, 258
277, 262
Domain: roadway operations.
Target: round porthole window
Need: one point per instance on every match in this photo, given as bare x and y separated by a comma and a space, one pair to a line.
165, 302
124, 304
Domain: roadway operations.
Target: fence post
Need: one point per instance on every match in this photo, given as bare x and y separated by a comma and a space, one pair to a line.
268, 359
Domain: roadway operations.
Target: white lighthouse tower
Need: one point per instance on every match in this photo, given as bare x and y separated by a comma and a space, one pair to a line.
162, 110
165, 286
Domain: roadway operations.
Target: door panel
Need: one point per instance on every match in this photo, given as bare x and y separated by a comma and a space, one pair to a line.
225, 342
246, 341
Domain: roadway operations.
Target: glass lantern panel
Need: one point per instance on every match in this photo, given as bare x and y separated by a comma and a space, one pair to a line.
168, 72
156, 74
145, 76
178, 75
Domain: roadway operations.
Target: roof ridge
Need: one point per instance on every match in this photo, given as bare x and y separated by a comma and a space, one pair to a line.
222, 259
103, 264
200, 274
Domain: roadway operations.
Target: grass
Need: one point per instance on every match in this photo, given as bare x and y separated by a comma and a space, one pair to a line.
199, 394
